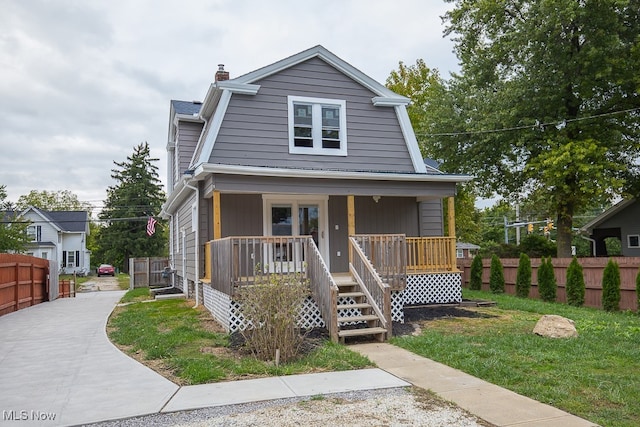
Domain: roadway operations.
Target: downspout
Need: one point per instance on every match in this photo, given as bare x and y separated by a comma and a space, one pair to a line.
593, 243
197, 246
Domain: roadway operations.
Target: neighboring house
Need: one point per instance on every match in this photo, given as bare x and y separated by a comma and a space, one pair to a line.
621, 222
60, 237
306, 165
466, 250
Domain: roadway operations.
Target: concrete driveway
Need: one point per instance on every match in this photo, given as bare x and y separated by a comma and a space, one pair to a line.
58, 367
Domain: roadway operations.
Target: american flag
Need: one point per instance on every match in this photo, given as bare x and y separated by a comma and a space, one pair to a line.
151, 226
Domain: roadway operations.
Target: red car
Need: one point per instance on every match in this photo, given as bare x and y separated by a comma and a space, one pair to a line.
106, 270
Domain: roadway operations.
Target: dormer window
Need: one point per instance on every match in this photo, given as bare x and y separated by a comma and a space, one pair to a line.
317, 126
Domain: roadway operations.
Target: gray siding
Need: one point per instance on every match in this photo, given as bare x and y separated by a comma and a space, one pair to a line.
390, 215
184, 215
186, 140
261, 184
338, 234
255, 133
241, 214
627, 221
431, 222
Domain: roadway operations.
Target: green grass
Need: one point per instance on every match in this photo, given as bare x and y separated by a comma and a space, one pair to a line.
595, 376
179, 341
123, 281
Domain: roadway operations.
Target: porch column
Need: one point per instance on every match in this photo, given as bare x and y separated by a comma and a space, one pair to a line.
451, 220
351, 215
217, 225
351, 220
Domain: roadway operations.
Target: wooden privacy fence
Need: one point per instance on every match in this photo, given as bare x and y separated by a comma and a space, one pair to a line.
148, 272
23, 282
593, 269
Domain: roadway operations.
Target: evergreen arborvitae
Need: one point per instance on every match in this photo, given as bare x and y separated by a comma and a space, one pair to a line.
475, 279
575, 284
496, 276
547, 286
523, 277
611, 286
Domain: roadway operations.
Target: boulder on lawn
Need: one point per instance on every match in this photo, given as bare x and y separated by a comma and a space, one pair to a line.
553, 326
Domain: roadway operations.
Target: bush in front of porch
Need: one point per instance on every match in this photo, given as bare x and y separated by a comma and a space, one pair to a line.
272, 307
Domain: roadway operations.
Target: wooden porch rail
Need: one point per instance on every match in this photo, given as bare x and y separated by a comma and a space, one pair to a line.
207, 262
239, 261
323, 288
431, 254
378, 292
388, 254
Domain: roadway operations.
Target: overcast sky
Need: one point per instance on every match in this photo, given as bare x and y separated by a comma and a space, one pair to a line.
83, 82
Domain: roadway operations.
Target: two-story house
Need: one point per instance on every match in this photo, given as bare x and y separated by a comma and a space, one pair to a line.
60, 237
308, 165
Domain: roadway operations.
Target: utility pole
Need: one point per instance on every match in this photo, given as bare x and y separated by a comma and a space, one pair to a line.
518, 222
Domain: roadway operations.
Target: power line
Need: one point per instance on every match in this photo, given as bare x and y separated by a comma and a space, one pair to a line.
558, 124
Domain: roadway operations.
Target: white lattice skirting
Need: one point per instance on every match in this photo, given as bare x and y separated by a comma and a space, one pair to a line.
438, 288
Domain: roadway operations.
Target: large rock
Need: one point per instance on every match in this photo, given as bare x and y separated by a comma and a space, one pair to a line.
553, 326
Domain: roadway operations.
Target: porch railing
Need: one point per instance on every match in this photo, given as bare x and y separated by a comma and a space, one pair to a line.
378, 293
238, 261
323, 288
431, 254
388, 254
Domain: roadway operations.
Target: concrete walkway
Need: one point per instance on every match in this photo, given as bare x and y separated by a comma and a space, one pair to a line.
485, 400
58, 368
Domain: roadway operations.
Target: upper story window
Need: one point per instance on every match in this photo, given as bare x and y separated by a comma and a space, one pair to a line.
317, 126
34, 233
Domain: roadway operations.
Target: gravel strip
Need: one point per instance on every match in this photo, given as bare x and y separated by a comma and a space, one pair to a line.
388, 407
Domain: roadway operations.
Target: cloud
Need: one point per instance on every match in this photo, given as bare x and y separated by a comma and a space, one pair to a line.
82, 83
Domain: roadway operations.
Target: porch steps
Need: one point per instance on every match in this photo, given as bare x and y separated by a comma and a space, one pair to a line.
358, 318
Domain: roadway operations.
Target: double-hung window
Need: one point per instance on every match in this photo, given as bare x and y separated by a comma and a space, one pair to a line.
317, 126
34, 233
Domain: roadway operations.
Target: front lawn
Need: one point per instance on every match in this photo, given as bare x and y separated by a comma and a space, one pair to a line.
187, 346
595, 376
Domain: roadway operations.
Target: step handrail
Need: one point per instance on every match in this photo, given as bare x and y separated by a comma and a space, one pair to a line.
377, 292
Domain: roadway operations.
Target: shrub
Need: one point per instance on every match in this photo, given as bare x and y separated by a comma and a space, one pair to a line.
547, 286
611, 286
536, 246
523, 277
475, 279
575, 284
272, 307
496, 276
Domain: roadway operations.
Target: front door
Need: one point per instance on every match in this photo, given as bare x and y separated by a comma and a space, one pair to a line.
296, 216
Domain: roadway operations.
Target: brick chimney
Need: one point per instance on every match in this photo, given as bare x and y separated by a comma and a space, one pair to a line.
221, 74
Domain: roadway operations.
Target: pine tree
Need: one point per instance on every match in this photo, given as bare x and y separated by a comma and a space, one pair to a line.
523, 277
547, 286
496, 276
611, 286
575, 284
475, 279
136, 196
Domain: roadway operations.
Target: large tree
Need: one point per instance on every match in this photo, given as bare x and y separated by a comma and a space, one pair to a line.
547, 101
13, 230
136, 196
63, 200
431, 105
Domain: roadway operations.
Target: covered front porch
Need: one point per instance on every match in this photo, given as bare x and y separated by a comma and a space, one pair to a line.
385, 273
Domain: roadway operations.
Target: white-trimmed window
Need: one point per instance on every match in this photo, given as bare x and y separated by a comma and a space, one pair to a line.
34, 233
317, 126
633, 240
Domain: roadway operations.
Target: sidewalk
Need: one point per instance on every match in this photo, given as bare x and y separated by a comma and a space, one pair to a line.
58, 368
485, 400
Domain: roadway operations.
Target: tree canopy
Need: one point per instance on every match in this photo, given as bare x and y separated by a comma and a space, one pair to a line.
136, 196
63, 200
547, 101
13, 232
